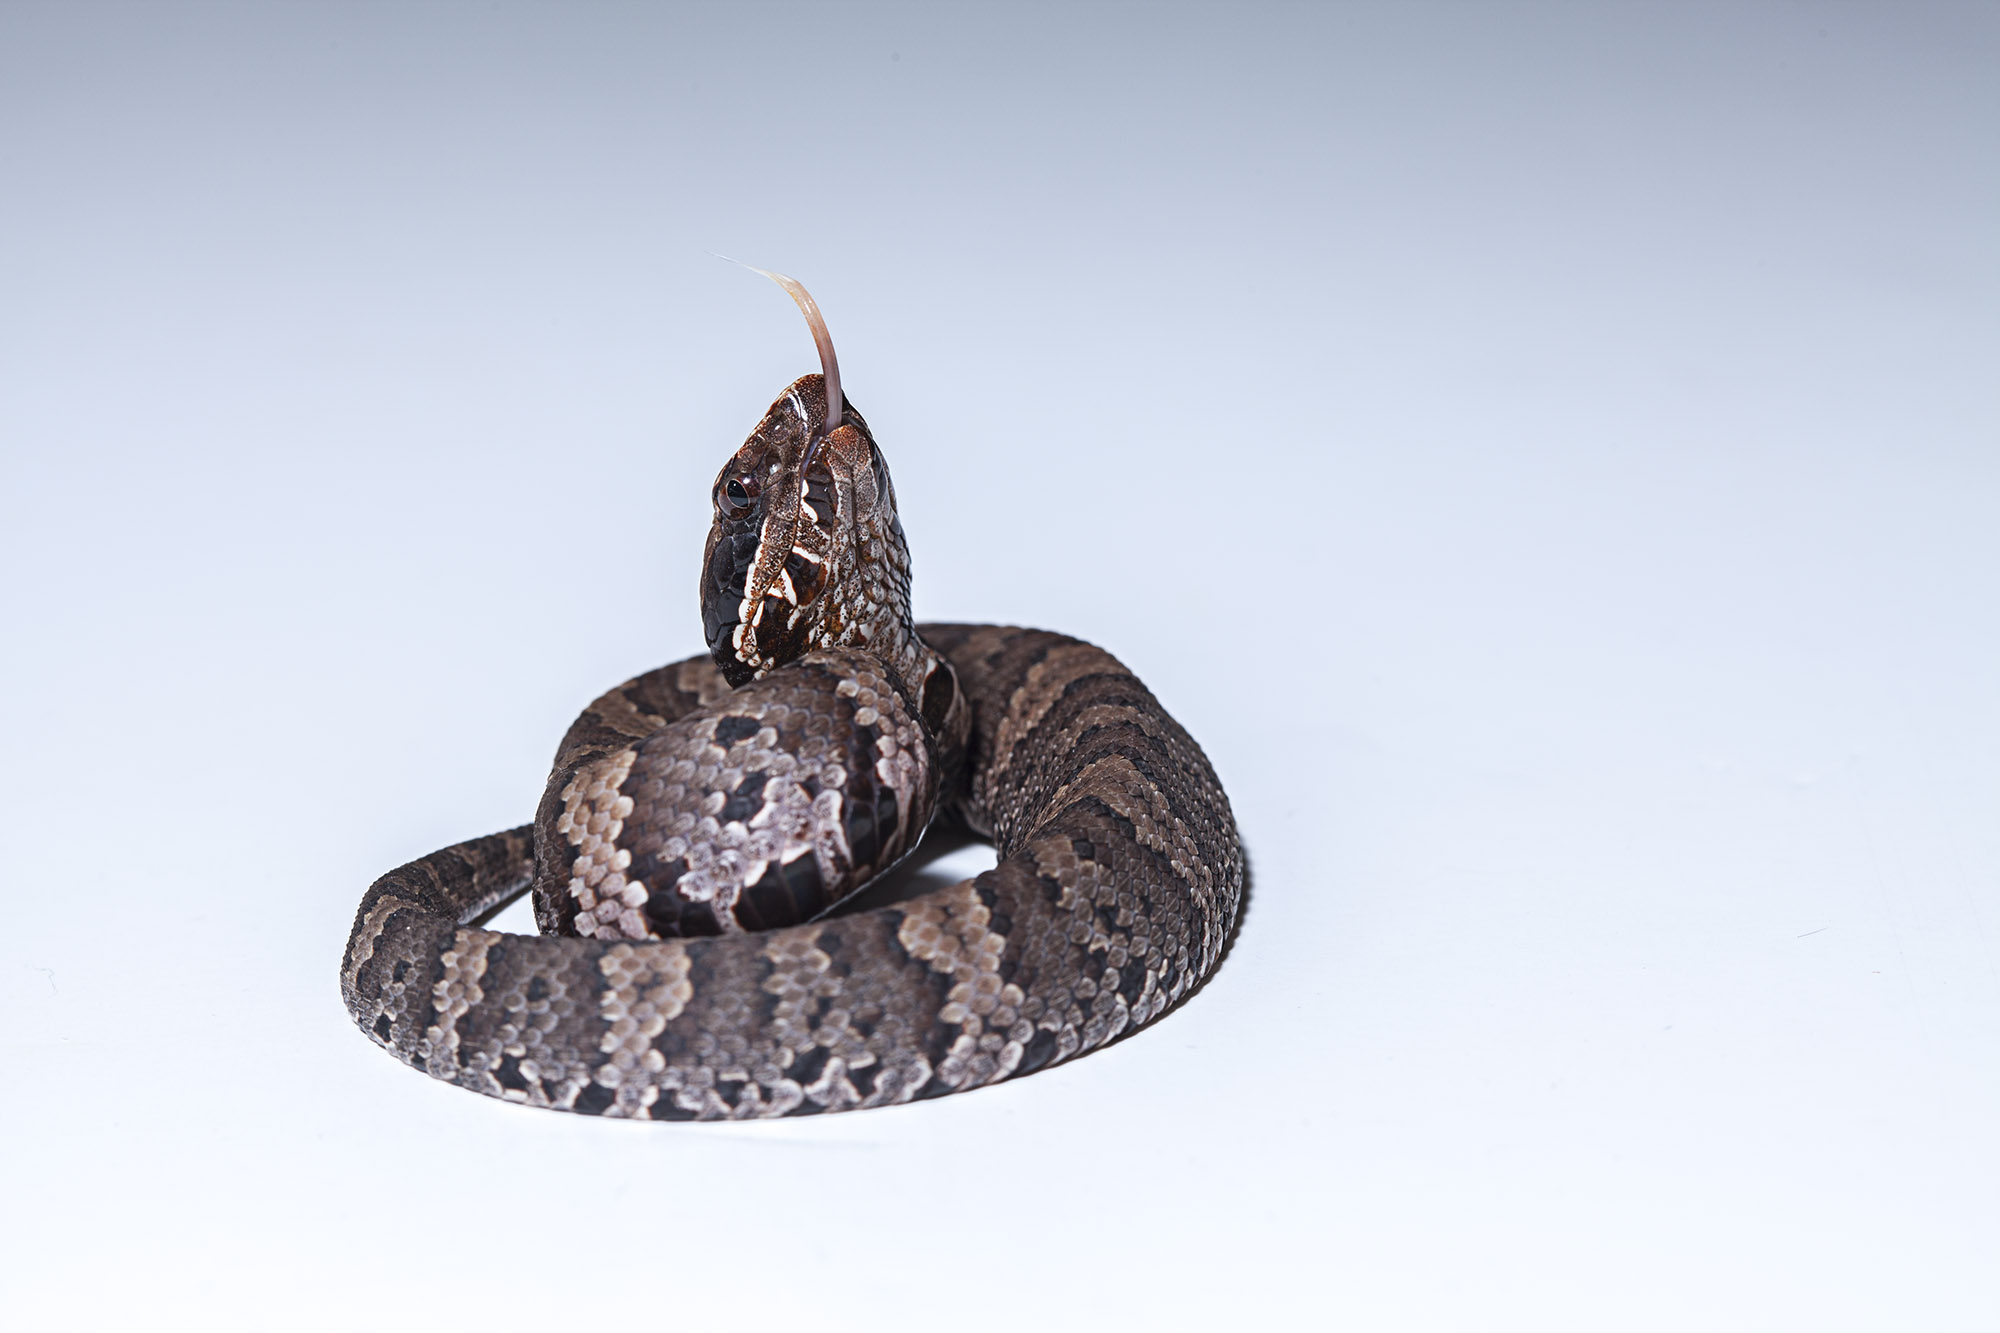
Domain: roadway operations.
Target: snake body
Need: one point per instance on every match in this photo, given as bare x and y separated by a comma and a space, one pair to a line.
705, 821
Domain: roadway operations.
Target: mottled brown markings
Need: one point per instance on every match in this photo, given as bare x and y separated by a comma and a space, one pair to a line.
732, 731
948, 930
644, 990
593, 814
367, 933
1040, 690
1116, 782
806, 1031
1119, 875
455, 993
760, 787
399, 982
627, 717
698, 679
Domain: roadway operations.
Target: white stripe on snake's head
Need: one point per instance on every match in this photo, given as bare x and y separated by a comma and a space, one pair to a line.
804, 518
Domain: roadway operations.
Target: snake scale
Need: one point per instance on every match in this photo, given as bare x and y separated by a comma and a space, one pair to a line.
705, 822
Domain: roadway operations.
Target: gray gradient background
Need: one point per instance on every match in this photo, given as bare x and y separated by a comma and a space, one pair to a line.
1547, 454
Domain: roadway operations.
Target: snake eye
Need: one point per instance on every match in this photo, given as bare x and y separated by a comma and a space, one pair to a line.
736, 495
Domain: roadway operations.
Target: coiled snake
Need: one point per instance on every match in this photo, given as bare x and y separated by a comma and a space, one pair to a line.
704, 822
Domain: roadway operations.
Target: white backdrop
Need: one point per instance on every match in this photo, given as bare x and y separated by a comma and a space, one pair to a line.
1547, 455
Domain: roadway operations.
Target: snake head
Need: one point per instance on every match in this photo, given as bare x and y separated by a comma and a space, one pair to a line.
806, 550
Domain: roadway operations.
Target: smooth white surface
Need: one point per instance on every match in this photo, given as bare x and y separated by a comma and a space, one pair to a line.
1548, 456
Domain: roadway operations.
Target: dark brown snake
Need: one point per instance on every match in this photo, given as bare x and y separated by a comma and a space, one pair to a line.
704, 822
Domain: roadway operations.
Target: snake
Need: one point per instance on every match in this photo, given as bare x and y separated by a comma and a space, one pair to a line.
698, 861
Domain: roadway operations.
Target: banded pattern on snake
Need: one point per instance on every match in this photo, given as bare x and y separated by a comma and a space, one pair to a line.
704, 822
